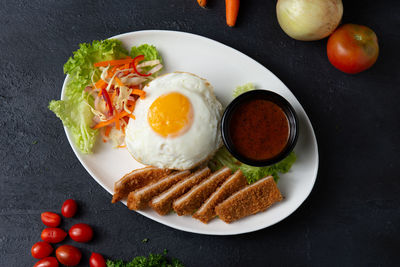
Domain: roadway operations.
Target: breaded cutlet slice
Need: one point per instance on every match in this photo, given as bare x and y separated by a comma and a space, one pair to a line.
137, 179
139, 199
162, 203
250, 200
192, 200
234, 183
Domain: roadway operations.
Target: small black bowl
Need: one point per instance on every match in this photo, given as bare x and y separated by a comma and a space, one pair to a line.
276, 99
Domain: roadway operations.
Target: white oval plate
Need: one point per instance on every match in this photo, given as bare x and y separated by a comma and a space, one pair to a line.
225, 68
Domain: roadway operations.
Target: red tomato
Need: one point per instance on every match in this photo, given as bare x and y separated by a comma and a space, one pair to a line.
41, 250
81, 232
53, 235
47, 262
353, 48
68, 255
97, 260
50, 219
69, 208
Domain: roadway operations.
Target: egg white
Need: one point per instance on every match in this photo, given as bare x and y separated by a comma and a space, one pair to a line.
192, 147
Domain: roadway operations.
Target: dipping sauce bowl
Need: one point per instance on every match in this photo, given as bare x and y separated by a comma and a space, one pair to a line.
259, 128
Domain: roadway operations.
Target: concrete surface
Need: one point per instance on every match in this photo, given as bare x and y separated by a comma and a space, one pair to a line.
352, 216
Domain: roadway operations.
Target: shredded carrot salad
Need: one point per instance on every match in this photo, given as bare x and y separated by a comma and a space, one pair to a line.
115, 94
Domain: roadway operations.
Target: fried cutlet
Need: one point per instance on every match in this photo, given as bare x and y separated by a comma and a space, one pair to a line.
137, 179
139, 199
249, 200
162, 204
193, 199
234, 183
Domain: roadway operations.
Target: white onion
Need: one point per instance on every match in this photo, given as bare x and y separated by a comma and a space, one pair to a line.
309, 20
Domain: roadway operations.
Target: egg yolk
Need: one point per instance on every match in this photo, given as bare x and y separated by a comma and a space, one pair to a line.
170, 115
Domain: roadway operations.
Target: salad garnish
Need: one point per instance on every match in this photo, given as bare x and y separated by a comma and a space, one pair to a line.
104, 83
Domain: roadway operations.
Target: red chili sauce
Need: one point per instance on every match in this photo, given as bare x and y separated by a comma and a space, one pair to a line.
259, 129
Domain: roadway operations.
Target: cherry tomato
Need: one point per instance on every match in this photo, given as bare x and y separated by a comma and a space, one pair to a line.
97, 260
69, 208
50, 219
41, 250
47, 262
68, 255
53, 235
81, 232
353, 48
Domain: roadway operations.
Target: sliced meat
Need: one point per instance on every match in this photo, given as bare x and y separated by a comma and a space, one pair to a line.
249, 200
137, 179
192, 200
162, 204
234, 183
139, 199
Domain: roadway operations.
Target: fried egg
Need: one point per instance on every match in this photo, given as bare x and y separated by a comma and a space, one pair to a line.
177, 124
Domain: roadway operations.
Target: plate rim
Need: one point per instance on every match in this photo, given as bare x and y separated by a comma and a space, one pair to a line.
182, 228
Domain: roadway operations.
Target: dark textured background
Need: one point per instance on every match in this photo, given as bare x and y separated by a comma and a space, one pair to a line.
352, 216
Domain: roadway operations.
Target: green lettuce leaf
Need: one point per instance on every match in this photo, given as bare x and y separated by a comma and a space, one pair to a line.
149, 52
73, 111
242, 89
77, 117
252, 174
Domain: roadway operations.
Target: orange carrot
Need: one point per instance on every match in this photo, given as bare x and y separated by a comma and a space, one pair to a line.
108, 130
113, 96
116, 118
126, 66
104, 123
124, 114
119, 81
113, 62
112, 71
131, 104
232, 10
202, 3
139, 92
101, 84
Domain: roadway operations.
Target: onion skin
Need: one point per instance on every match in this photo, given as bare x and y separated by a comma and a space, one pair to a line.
309, 20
